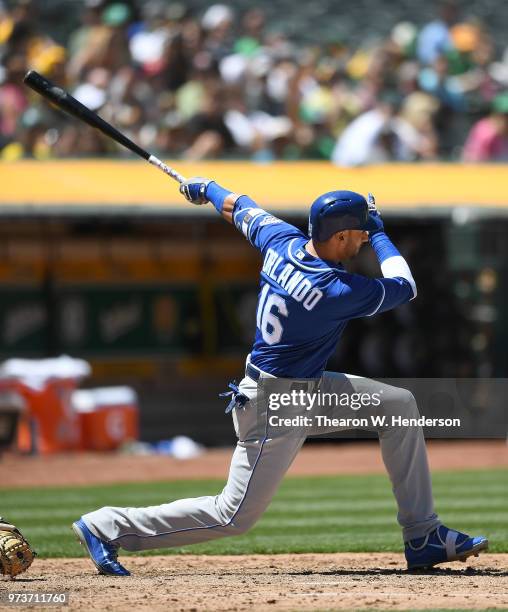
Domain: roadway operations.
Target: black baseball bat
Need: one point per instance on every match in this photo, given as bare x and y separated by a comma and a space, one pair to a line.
70, 105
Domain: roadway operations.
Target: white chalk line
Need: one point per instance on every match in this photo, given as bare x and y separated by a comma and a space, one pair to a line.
390, 594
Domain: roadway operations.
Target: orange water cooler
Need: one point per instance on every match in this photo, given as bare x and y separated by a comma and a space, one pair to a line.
108, 417
49, 424
12, 411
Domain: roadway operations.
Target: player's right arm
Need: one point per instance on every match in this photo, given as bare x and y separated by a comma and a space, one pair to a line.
257, 225
393, 265
360, 296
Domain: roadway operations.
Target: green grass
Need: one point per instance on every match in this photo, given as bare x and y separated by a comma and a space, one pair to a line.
326, 514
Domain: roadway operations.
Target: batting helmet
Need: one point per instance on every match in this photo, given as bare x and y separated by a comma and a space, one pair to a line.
336, 211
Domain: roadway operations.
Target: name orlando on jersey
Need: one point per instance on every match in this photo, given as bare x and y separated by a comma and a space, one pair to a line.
293, 281
297, 285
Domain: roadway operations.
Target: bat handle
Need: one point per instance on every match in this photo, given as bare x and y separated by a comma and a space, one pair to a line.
155, 161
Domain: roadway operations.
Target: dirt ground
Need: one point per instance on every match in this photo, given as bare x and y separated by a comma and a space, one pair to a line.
261, 582
192, 583
313, 460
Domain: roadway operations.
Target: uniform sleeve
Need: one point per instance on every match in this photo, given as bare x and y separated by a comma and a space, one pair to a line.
260, 227
393, 266
360, 296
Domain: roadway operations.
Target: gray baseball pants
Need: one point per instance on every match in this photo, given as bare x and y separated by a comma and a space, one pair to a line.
258, 465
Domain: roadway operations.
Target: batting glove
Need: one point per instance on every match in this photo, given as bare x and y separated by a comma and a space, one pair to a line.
375, 224
194, 190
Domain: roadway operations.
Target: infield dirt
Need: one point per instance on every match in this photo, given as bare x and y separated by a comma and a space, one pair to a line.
262, 582
341, 581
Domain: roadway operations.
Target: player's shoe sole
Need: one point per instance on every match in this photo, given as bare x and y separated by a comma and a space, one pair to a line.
108, 566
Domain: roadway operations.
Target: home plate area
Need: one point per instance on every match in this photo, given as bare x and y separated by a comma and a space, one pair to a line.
272, 582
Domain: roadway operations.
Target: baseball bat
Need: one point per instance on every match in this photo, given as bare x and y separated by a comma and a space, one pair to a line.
70, 105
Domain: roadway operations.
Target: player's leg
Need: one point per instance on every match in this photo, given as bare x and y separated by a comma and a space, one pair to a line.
258, 465
427, 541
402, 448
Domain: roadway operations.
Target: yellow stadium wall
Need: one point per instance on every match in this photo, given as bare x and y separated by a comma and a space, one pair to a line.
281, 185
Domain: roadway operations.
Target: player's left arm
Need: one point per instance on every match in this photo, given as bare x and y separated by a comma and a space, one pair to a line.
199, 190
258, 226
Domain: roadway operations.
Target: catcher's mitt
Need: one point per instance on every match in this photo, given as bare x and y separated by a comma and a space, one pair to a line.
16, 556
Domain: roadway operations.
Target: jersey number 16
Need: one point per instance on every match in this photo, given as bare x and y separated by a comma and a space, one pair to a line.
270, 308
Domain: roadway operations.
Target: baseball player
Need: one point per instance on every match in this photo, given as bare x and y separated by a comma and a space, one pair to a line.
306, 298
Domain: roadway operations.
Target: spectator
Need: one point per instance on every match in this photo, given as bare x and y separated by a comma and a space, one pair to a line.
106, 43
217, 22
211, 136
90, 20
488, 139
434, 39
220, 83
477, 50
378, 135
13, 99
251, 39
436, 81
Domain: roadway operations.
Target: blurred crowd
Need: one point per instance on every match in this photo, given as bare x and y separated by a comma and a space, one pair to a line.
220, 83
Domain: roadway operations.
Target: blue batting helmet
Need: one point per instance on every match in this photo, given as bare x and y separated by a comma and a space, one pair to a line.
336, 211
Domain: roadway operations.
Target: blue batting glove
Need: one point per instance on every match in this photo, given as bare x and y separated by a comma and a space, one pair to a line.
375, 223
194, 190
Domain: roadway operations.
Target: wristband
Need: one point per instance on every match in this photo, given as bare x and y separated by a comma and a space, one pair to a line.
383, 247
216, 195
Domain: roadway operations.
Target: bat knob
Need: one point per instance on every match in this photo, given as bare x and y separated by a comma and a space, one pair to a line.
28, 76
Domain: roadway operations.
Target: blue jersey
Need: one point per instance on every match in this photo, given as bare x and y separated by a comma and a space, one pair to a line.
305, 302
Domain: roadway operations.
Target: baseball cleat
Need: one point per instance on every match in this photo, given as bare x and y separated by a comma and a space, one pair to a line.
103, 554
441, 546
